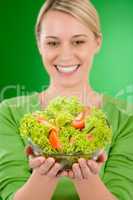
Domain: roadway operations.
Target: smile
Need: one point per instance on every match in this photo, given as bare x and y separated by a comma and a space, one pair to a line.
67, 69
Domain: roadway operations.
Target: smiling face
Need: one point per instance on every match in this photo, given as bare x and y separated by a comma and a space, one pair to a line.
67, 48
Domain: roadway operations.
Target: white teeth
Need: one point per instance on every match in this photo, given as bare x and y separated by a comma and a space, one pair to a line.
67, 69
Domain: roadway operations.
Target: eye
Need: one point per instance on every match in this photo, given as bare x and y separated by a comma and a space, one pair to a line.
52, 43
78, 42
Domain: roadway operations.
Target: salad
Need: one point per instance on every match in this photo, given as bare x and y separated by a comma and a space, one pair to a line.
66, 129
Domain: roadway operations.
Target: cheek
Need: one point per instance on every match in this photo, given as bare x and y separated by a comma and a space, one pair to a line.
90, 54
48, 57
87, 57
87, 52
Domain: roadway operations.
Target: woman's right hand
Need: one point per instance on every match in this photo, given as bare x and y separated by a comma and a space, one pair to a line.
46, 166
43, 166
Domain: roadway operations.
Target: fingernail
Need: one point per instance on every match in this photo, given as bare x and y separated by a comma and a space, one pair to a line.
41, 160
81, 160
50, 160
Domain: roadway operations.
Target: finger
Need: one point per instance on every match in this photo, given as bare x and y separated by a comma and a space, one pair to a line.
44, 168
54, 170
77, 171
36, 162
62, 173
84, 168
94, 166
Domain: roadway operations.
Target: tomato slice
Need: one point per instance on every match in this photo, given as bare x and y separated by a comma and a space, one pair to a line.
79, 121
79, 124
29, 150
90, 137
41, 120
54, 140
101, 158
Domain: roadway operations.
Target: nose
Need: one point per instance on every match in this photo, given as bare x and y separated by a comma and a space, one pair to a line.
66, 53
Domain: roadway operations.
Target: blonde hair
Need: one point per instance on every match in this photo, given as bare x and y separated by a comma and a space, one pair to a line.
83, 10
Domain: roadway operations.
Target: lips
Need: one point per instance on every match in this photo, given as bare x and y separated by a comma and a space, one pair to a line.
67, 69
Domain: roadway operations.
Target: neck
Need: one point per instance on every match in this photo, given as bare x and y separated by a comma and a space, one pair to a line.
84, 93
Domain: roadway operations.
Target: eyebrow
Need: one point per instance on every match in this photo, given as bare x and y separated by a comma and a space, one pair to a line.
75, 36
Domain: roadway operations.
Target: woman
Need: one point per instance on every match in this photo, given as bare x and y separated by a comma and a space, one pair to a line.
68, 37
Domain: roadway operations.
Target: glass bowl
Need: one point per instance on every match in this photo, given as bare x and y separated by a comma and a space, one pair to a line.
67, 160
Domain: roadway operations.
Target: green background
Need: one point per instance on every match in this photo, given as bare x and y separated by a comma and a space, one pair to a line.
21, 69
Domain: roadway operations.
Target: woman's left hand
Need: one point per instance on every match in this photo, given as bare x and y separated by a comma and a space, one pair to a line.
86, 168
